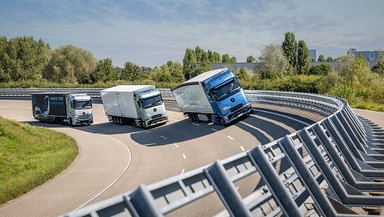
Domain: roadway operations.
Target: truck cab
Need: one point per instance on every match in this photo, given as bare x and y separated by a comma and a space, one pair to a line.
151, 109
79, 110
226, 97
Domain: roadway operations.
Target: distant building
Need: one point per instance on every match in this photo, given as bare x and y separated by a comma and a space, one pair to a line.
369, 55
312, 55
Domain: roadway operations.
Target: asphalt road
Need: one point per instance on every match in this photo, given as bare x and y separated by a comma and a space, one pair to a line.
114, 159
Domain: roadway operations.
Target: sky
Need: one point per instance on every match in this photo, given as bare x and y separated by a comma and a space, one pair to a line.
150, 33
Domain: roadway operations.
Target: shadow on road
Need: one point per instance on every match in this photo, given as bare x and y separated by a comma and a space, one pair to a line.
185, 130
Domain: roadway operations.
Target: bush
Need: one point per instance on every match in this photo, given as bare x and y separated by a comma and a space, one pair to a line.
322, 69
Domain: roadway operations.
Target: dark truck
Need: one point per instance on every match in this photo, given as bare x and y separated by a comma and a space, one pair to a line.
70, 108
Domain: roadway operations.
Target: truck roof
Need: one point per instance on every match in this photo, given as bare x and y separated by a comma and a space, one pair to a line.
127, 88
204, 76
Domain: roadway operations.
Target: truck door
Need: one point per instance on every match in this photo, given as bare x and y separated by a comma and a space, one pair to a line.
120, 101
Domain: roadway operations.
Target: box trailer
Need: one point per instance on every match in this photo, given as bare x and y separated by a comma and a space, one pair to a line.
71, 108
141, 105
215, 96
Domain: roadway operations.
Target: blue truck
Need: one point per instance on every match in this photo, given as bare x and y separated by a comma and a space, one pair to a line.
214, 96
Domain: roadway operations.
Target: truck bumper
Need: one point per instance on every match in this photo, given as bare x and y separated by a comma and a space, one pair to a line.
157, 121
243, 111
83, 122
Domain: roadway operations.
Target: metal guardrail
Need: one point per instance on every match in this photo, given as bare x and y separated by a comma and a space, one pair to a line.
334, 167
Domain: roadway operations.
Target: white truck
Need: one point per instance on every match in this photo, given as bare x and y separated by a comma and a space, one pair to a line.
71, 108
141, 105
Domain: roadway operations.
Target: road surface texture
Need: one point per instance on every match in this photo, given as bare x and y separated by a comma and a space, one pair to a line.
114, 159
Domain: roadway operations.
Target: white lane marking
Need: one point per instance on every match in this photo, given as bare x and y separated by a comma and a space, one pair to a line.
213, 129
230, 138
117, 179
185, 157
242, 148
176, 145
196, 124
237, 188
182, 171
163, 137
285, 116
174, 120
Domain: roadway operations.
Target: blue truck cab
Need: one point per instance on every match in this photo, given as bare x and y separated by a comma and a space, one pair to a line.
215, 96
226, 97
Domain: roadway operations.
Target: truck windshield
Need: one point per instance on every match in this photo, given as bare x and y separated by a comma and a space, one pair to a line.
152, 101
226, 90
83, 104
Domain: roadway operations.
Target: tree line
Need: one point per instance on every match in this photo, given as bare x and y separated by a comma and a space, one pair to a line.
27, 62
27, 59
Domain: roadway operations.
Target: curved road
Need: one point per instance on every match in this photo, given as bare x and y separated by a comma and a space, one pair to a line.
114, 159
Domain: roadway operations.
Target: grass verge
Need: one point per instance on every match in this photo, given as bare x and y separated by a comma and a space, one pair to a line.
30, 156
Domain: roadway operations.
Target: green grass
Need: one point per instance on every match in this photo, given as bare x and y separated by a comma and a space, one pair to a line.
30, 156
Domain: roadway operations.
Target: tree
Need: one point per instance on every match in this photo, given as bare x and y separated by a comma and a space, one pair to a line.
354, 70
233, 59
105, 71
244, 74
251, 59
216, 57
289, 48
199, 53
274, 60
176, 71
329, 59
302, 58
225, 58
323, 69
22, 58
70, 64
379, 67
189, 63
321, 58
4, 76
131, 72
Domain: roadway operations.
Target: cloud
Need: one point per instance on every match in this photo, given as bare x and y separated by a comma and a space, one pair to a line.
150, 32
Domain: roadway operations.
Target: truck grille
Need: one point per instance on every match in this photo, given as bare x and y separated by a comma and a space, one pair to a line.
82, 117
236, 113
156, 116
236, 107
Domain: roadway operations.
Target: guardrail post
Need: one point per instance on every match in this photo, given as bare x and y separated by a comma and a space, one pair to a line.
143, 203
357, 133
355, 122
226, 190
352, 135
306, 177
282, 197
